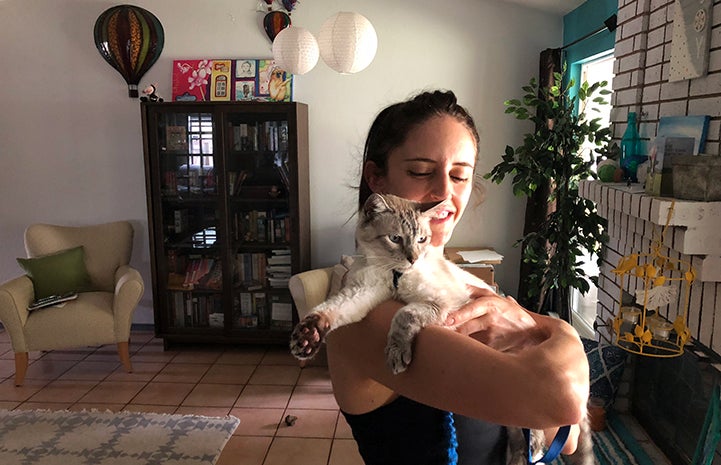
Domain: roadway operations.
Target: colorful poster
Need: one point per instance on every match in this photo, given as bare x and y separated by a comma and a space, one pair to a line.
220, 81
191, 79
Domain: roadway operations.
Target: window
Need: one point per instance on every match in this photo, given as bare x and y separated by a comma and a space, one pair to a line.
584, 306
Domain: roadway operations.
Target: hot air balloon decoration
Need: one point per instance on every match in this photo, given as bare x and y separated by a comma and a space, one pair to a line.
130, 38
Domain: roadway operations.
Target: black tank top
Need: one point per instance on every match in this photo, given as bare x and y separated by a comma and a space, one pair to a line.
408, 432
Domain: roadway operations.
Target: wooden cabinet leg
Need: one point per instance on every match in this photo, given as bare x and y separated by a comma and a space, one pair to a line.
124, 354
21, 367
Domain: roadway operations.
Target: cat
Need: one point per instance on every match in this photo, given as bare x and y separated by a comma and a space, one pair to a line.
395, 260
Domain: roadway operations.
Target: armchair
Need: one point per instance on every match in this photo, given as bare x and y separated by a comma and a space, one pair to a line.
101, 315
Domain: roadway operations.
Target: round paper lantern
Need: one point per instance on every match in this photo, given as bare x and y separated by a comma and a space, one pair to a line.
130, 39
347, 42
295, 50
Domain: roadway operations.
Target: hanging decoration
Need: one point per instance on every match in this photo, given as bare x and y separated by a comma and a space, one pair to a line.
130, 39
274, 22
347, 42
295, 50
289, 5
655, 280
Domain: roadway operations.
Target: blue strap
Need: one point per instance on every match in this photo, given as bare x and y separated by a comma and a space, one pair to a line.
553, 450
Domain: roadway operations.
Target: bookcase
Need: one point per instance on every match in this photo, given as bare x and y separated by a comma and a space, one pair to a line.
228, 216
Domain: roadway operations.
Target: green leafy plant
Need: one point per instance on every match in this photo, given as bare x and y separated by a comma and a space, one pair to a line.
552, 156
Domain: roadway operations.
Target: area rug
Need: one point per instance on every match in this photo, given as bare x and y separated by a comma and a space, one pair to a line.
43, 437
615, 445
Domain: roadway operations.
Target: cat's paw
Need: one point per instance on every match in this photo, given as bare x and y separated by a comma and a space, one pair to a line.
308, 335
398, 355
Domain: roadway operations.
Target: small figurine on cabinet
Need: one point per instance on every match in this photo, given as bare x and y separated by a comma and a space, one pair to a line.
150, 95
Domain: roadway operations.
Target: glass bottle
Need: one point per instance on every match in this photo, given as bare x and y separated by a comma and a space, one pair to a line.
631, 155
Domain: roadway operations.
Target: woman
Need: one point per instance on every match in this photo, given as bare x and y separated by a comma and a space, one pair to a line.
516, 368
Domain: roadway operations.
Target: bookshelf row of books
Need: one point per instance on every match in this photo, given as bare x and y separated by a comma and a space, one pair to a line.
254, 269
194, 271
261, 310
266, 135
270, 226
194, 180
191, 310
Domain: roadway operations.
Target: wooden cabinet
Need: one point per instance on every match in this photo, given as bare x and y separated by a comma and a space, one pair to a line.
228, 215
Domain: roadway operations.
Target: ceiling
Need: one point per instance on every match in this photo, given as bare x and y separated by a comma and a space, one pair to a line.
560, 7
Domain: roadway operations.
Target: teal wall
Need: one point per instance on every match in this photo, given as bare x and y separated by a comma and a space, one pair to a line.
583, 20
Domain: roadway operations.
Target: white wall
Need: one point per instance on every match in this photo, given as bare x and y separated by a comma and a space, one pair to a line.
70, 138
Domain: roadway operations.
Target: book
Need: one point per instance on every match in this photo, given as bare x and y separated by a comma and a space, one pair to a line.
53, 300
176, 138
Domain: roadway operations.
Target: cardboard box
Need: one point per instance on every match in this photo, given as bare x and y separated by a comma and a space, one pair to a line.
483, 269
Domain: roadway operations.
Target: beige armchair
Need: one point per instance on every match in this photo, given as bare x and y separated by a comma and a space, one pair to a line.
102, 315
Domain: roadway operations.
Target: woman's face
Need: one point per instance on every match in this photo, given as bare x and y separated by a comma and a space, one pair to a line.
434, 163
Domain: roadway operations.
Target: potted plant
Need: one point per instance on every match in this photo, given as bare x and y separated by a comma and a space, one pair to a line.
551, 156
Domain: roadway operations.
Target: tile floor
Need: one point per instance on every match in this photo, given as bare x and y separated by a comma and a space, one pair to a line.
259, 385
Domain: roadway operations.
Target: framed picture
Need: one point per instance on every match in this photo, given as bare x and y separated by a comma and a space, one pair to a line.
684, 135
231, 79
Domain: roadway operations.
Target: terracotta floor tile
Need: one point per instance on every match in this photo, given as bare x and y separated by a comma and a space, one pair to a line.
342, 428
7, 368
108, 357
228, 374
49, 369
203, 411
309, 424
150, 408
10, 392
279, 356
84, 370
344, 452
117, 392
163, 393
245, 450
260, 396
181, 373
44, 406
245, 356
70, 354
317, 376
142, 371
313, 397
8, 405
213, 395
205, 357
101, 407
63, 391
275, 374
257, 421
285, 451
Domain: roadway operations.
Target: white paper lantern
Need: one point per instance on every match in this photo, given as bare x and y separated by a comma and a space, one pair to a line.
295, 50
347, 42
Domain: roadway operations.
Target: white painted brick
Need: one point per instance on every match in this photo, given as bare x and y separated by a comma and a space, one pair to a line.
645, 212
714, 61
709, 84
624, 47
712, 148
673, 108
630, 62
626, 203
628, 96
621, 81
705, 106
651, 111
657, 18
635, 206
626, 12
656, 4
714, 129
651, 93
632, 27
709, 269
655, 37
618, 201
674, 90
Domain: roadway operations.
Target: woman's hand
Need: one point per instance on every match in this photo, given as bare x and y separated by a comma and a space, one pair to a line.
499, 322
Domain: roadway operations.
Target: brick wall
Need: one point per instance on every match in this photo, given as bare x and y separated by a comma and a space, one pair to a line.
642, 52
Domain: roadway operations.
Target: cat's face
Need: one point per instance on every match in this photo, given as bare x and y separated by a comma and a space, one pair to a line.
395, 232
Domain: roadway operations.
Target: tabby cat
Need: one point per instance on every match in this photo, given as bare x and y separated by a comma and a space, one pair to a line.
396, 261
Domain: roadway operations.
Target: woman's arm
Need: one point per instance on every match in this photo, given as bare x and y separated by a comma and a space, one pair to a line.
542, 385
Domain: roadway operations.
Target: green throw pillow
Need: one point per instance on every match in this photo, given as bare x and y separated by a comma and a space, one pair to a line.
58, 273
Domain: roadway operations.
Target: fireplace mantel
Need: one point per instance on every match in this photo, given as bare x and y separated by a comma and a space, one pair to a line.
694, 227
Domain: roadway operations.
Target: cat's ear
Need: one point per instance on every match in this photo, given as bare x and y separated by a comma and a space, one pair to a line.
375, 204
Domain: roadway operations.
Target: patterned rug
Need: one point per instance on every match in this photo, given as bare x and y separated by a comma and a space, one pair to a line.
615, 445
105, 438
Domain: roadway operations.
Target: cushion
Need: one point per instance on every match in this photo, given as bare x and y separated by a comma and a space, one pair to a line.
606, 364
337, 279
58, 273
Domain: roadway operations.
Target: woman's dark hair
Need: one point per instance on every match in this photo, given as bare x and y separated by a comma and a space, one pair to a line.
392, 125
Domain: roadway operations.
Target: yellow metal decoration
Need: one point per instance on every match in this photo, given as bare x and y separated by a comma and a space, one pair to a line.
659, 280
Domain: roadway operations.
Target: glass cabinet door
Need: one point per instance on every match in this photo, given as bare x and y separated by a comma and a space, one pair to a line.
190, 258
259, 182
